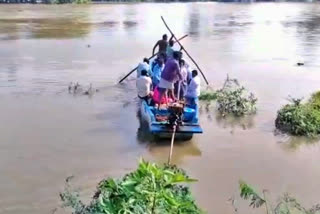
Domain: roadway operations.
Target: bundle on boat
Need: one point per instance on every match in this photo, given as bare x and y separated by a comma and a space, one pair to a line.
298, 118
151, 189
232, 99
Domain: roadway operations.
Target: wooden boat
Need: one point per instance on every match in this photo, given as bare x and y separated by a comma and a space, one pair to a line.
160, 121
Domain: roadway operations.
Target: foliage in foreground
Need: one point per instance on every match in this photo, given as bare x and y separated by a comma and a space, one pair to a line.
299, 118
286, 204
232, 98
151, 189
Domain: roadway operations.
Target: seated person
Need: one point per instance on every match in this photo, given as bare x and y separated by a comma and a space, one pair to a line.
144, 86
143, 66
193, 90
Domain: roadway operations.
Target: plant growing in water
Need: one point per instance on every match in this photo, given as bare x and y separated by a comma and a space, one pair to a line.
232, 98
151, 189
299, 118
286, 204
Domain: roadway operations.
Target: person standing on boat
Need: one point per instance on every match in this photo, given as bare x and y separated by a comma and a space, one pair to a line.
170, 74
193, 90
143, 66
144, 86
156, 72
170, 49
184, 80
163, 43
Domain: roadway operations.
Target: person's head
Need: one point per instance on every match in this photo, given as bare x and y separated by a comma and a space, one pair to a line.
146, 60
165, 37
176, 55
171, 43
194, 73
181, 62
144, 73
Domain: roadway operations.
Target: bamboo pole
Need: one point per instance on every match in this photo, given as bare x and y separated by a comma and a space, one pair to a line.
125, 77
204, 77
171, 145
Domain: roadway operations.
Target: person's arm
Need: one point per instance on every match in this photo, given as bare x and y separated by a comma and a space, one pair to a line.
179, 72
154, 48
171, 38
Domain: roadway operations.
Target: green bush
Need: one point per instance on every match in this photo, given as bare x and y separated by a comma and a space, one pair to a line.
301, 119
151, 189
232, 99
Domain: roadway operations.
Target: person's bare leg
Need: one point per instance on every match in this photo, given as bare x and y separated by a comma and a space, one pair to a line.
162, 92
171, 92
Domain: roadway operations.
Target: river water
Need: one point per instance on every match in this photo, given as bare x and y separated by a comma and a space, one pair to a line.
47, 134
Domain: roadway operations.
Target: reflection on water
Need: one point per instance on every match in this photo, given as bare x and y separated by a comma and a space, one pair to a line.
194, 22
43, 28
47, 134
246, 122
208, 110
293, 143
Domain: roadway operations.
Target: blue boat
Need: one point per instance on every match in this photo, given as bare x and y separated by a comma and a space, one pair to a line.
159, 124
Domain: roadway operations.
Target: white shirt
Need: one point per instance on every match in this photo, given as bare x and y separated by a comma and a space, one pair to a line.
143, 86
193, 90
142, 66
184, 73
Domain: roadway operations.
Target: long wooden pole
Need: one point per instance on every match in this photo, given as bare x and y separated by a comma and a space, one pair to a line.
204, 77
125, 77
171, 145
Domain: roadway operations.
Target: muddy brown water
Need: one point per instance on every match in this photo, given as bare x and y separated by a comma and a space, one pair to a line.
47, 134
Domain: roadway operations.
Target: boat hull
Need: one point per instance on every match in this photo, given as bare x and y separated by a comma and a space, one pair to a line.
162, 130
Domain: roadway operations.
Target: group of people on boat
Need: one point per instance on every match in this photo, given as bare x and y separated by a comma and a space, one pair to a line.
168, 77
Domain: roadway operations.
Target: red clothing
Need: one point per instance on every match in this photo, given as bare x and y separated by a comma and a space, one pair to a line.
156, 97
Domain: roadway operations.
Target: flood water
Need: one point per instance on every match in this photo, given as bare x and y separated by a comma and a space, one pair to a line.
47, 134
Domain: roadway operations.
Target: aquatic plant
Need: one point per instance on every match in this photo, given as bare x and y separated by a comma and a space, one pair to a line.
286, 204
299, 118
208, 95
232, 98
151, 189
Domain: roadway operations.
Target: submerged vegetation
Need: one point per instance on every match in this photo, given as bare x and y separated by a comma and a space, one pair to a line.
232, 98
286, 204
299, 118
151, 189
208, 95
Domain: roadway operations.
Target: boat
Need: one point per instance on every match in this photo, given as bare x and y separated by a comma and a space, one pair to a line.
160, 122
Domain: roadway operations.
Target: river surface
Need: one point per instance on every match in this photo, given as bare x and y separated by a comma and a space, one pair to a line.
47, 134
